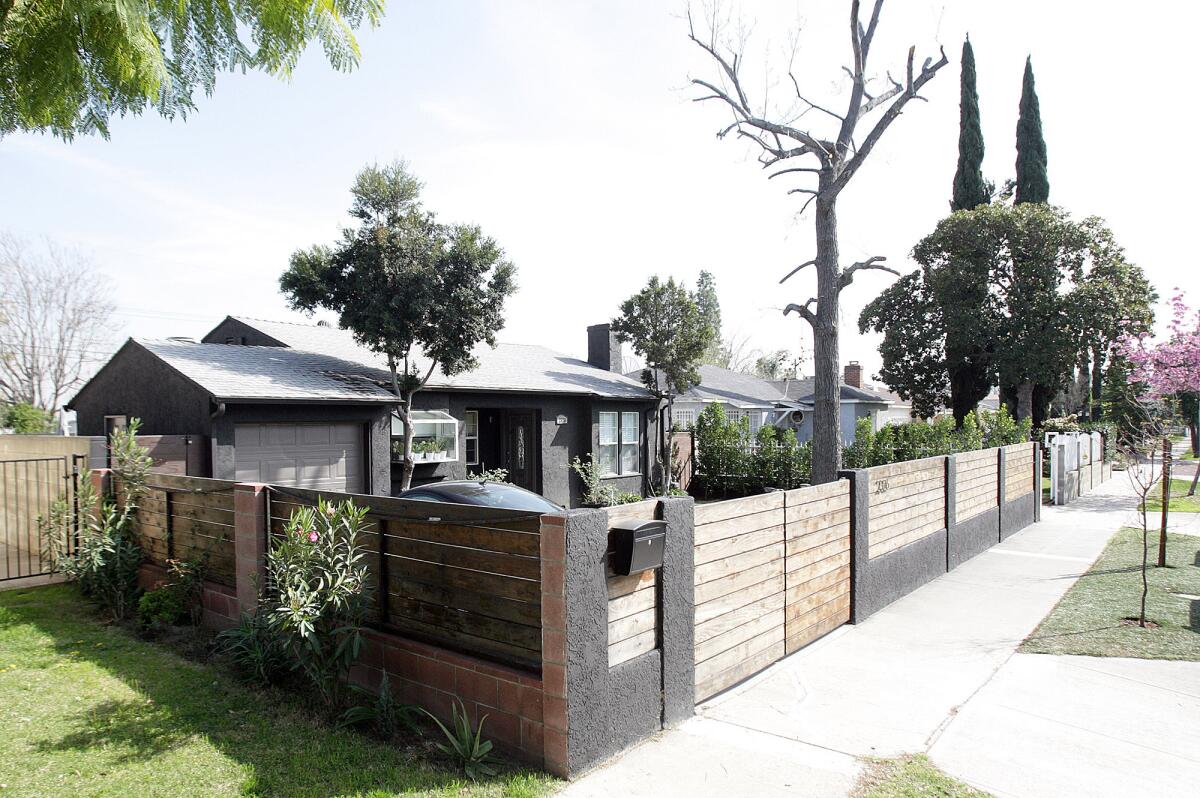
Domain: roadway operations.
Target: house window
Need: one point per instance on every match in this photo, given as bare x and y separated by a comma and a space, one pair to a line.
435, 436
620, 439
684, 419
472, 437
735, 416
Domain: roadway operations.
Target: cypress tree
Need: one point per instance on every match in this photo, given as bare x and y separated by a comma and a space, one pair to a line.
1033, 184
970, 190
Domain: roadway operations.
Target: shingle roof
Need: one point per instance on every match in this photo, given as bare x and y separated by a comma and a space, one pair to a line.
801, 390
269, 372
730, 387
509, 367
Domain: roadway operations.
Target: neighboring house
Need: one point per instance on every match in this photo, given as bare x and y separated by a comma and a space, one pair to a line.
305, 405
740, 396
856, 402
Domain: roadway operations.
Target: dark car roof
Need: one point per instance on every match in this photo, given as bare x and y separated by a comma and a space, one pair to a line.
483, 494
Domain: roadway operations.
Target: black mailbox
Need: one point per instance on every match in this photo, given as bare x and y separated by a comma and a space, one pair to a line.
637, 546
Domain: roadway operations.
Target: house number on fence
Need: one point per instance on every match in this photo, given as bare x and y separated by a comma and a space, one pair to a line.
881, 486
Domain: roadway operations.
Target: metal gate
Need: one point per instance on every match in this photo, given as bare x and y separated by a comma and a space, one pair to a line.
28, 488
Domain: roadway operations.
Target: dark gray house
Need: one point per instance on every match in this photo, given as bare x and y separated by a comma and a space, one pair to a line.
304, 405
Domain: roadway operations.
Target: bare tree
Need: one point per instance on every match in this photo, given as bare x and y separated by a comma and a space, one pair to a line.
833, 159
54, 318
1139, 460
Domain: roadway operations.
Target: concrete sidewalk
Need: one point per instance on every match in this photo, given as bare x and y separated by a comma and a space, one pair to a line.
936, 672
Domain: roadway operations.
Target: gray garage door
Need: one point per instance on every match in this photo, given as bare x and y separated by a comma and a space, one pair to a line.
317, 456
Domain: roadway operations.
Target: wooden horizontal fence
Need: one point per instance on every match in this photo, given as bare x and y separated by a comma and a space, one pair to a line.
632, 600
467, 578
976, 486
772, 574
906, 501
191, 519
1018, 470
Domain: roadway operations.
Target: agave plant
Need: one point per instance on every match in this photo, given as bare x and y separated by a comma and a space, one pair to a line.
465, 745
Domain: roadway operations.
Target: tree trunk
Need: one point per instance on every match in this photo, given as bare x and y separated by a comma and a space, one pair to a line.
827, 434
409, 465
1097, 385
668, 435
1024, 401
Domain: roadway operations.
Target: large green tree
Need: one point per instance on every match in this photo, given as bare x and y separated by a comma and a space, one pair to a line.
1033, 183
68, 67
667, 326
1112, 299
970, 189
710, 308
1013, 296
417, 292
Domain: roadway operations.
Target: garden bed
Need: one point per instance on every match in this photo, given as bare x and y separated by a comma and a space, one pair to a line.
88, 708
1089, 618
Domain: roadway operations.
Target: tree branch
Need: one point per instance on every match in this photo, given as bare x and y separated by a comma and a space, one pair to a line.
797, 269
803, 310
890, 115
872, 263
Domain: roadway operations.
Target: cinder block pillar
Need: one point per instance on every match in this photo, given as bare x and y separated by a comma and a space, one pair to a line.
951, 506
860, 543
554, 644
101, 481
1001, 475
677, 612
1037, 481
249, 541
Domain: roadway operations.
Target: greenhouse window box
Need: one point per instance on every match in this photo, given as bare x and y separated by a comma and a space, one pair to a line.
435, 436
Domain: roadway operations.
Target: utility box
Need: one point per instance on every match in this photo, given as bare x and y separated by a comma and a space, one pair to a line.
638, 546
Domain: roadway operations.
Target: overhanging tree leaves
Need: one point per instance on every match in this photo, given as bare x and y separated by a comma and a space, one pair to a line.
69, 67
419, 293
668, 327
833, 158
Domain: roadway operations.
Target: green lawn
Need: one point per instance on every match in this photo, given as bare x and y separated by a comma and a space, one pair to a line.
90, 710
1088, 618
911, 777
1180, 501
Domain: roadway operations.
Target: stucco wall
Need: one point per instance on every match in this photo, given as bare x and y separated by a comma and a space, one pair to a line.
137, 384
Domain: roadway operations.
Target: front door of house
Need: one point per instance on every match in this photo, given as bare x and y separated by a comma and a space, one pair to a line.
520, 449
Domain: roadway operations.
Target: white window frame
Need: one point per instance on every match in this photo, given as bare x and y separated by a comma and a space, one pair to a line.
444, 427
621, 442
677, 417
472, 419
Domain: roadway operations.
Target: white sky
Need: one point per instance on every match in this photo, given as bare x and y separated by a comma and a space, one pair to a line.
567, 132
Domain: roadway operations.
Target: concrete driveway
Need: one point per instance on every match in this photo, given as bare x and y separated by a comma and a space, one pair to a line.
936, 672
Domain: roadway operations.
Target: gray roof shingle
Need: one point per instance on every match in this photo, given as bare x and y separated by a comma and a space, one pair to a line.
801, 390
269, 372
507, 367
730, 387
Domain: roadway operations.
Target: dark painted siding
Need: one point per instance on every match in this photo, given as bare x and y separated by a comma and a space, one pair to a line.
137, 384
232, 331
375, 421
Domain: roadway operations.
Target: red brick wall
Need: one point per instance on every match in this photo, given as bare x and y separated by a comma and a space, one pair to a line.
432, 677
220, 602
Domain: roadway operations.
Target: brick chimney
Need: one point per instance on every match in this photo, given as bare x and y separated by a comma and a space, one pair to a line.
853, 374
604, 350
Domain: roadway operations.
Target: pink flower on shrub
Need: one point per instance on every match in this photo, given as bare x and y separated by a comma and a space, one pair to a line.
312, 537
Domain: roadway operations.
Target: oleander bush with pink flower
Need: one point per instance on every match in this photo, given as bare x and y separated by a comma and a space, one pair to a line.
317, 594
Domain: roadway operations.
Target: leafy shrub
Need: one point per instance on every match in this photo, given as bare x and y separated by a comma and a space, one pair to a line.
161, 607
999, 428
318, 594
465, 745
595, 493
255, 648
627, 498
94, 544
175, 602
26, 419
731, 464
